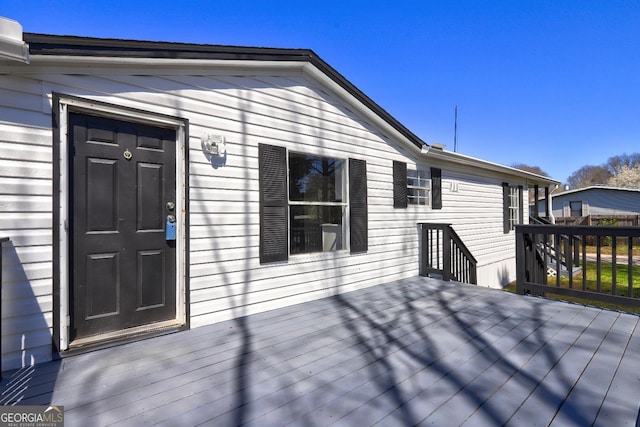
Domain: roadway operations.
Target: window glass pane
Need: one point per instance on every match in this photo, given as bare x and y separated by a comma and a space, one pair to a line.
418, 187
576, 209
514, 207
316, 228
316, 179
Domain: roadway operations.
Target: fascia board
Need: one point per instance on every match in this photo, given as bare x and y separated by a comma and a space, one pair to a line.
158, 66
446, 156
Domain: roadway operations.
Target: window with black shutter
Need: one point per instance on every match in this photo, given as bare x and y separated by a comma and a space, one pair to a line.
303, 205
416, 186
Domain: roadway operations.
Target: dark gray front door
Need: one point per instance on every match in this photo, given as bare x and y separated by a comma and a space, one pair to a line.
122, 184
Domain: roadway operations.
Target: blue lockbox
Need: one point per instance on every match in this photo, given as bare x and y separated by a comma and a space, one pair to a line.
170, 229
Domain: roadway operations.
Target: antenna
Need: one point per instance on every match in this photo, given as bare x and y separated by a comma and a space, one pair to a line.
455, 130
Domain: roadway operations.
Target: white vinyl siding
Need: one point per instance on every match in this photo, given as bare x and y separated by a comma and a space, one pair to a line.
226, 277
25, 217
224, 257
473, 205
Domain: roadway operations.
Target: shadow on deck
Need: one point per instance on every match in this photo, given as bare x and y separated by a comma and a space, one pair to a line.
412, 352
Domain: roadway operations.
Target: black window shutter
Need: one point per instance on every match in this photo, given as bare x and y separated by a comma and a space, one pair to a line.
399, 184
521, 202
358, 229
505, 207
272, 170
436, 188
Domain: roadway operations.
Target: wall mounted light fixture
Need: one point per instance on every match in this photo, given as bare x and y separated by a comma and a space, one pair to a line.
214, 145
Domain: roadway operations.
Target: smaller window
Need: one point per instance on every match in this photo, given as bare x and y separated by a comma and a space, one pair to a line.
576, 208
514, 207
418, 187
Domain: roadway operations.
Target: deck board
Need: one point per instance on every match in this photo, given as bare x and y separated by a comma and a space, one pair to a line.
499, 375
622, 394
543, 405
531, 374
413, 352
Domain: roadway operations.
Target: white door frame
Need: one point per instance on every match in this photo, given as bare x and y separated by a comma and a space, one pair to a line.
72, 103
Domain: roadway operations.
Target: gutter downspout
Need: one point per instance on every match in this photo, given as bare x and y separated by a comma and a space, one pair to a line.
548, 201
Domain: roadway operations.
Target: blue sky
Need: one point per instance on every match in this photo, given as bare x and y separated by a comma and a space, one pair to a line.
554, 84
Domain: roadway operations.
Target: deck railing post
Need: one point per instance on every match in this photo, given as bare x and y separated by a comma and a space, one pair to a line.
446, 254
424, 250
521, 260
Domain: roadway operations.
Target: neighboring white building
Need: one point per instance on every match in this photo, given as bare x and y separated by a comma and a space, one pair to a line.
275, 172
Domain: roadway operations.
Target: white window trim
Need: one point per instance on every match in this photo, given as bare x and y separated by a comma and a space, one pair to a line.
514, 207
421, 175
344, 204
571, 210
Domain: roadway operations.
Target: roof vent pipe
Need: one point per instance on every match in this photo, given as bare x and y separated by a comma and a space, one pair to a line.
11, 44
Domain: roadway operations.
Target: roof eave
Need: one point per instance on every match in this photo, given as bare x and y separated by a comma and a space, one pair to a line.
461, 159
596, 187
113, 50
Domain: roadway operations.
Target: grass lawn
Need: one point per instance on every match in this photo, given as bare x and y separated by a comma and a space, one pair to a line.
606, 285
621, 249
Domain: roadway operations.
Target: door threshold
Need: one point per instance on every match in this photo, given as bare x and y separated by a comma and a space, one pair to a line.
111, 339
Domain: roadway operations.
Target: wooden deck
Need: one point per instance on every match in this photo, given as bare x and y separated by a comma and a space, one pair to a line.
413, 352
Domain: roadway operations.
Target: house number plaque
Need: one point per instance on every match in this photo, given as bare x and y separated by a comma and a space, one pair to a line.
127, 154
